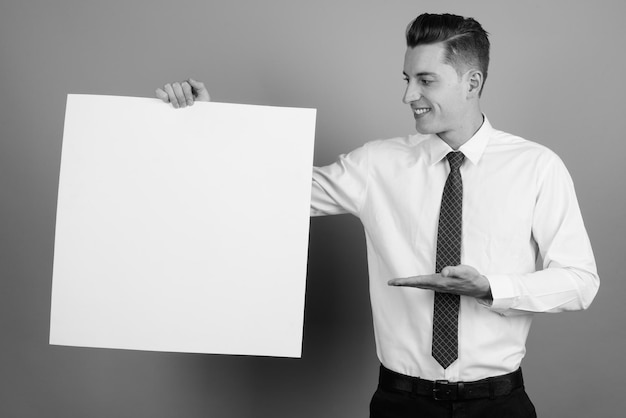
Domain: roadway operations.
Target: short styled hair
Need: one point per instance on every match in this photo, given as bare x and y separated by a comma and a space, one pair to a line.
465, 41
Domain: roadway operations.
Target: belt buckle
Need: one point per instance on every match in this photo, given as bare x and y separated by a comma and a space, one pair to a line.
437, 389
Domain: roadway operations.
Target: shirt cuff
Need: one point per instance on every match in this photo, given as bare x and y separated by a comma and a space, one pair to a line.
502, 293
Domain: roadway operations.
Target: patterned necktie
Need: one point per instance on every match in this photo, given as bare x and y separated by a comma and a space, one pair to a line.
446, 309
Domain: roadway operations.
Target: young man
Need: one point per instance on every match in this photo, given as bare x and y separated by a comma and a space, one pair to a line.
458, 216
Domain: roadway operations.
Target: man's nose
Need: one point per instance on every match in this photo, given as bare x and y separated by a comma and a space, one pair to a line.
411, 94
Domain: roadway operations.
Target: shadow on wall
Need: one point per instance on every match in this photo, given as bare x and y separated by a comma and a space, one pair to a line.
338, 339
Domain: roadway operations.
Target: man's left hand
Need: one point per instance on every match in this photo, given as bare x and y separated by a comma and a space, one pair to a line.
460, 280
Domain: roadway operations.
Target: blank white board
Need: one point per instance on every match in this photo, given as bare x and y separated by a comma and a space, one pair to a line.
182, 230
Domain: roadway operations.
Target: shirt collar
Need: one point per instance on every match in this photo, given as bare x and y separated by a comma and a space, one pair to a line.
473, 149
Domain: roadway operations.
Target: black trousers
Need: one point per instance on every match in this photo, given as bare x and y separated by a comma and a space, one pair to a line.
389, 403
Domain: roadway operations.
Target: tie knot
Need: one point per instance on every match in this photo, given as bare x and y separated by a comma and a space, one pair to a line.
455, 158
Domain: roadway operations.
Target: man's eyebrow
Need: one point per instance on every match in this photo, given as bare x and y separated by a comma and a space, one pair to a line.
422, 74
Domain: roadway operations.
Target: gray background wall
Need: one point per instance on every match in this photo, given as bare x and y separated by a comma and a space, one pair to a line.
557, 77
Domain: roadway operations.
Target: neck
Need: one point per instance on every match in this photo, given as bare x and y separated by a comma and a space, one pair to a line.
464, 131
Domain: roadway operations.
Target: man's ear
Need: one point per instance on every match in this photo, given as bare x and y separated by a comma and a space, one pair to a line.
475, 83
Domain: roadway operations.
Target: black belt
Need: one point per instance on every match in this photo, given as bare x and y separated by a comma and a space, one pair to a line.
492, 387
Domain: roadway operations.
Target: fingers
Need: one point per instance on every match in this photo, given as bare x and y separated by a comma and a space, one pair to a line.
429, 281
179, 94
413, 281
434, 281
171, 96
187, 93
161, 94
398, 282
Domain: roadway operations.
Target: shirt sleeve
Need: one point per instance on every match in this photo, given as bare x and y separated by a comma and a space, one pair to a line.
568, 279
340, 187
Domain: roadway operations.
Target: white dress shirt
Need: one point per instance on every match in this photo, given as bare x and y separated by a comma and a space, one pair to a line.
522, 229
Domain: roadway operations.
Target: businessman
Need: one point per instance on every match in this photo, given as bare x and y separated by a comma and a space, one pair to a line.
470, 231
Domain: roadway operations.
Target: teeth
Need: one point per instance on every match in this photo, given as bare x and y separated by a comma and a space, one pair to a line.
421, 110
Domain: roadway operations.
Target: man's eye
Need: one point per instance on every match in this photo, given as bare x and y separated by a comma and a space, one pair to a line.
426, 82
406, 79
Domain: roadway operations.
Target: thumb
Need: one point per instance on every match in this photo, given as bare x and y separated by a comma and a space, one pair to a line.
456, 271
201, 92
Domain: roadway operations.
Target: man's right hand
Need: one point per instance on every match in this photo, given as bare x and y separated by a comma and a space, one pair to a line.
184, 93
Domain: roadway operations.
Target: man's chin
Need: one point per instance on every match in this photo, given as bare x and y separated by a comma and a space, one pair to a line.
424, 129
